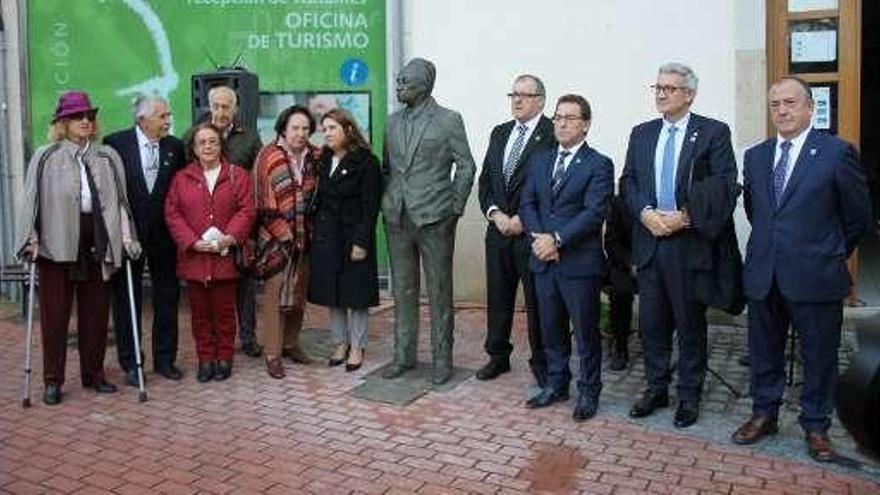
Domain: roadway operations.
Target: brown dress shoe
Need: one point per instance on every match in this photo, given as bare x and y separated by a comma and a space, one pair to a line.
819, 446
755, 429
275, 368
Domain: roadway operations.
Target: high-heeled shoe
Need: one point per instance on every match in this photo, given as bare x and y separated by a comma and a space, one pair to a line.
349, 366
334, 361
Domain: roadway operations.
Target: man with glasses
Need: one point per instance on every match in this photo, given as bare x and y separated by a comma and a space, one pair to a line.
663, 157
150, 156
563, 206
808, 205
507, 248
422, 203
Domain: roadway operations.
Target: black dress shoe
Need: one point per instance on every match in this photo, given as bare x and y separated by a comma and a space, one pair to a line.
131, 377
251, 349
585, 408
546, 397
52, 395
224, 371
493, 369
396, 370
650, 402
103, 387
619, 360
205, 373
170, 372
686, 414
540, 378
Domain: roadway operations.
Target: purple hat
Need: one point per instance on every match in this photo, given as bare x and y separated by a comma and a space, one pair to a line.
72, 103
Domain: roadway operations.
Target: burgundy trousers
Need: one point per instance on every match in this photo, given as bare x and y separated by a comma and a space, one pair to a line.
57, 288
212, 306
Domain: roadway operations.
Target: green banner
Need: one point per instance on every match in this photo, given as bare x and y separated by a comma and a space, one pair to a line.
318, 53
322, 53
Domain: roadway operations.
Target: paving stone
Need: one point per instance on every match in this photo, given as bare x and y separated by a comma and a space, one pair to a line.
320, 430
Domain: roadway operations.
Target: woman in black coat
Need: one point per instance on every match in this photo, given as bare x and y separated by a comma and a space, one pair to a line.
343, 273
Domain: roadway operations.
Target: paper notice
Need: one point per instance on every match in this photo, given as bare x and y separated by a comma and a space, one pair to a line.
813, 46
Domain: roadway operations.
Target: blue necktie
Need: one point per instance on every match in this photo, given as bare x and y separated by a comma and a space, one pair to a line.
780, 171
558, 170
666, 198
515, 152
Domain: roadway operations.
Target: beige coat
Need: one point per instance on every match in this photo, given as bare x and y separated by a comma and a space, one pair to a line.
55, 221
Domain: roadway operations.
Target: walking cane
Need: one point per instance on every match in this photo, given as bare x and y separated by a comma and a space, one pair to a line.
26, 397
142, 391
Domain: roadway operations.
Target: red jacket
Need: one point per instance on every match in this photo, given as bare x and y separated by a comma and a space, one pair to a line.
190, 209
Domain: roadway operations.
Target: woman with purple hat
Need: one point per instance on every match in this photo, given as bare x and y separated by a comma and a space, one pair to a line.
78, 230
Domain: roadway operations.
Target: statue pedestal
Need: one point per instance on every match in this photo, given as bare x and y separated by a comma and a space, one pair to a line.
408, 387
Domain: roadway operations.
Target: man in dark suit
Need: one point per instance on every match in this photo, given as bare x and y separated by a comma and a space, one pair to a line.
662, 156
808, 203
507, 248
562, 208
151, 157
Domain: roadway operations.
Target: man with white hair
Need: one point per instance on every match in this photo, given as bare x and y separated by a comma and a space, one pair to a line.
242, 147
151, 157
664, 158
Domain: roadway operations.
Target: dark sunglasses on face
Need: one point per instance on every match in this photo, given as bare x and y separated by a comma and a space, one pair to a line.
89, 115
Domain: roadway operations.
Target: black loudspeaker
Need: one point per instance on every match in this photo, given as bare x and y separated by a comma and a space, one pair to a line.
245, 84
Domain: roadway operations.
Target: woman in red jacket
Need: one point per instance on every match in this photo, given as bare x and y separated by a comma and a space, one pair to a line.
209, 209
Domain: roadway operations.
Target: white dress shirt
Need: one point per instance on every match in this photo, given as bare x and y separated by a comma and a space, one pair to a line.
85, 191
797, 143
530, 129
334, 163
147, 157
681, 130
211, 177
573, 151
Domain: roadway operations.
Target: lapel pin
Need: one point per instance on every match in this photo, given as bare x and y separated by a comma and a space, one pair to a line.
537, 138
813, 152
344, 171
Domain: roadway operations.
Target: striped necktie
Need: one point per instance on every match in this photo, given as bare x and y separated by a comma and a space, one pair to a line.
515, 152
780, 170
151, 171
559, 170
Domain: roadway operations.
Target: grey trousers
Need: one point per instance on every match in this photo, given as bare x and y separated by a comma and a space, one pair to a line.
433, 245
246, 308
349, 326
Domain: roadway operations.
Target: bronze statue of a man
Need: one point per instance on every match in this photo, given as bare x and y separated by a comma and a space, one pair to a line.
421, 205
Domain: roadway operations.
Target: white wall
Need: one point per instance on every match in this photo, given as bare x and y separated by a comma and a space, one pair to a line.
608, 51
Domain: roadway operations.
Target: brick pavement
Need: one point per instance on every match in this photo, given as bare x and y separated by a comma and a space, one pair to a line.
307, 434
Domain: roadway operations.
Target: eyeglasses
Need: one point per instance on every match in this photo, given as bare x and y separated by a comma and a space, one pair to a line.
662, 89
89, 115
518, 96
568, 119
204, 143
